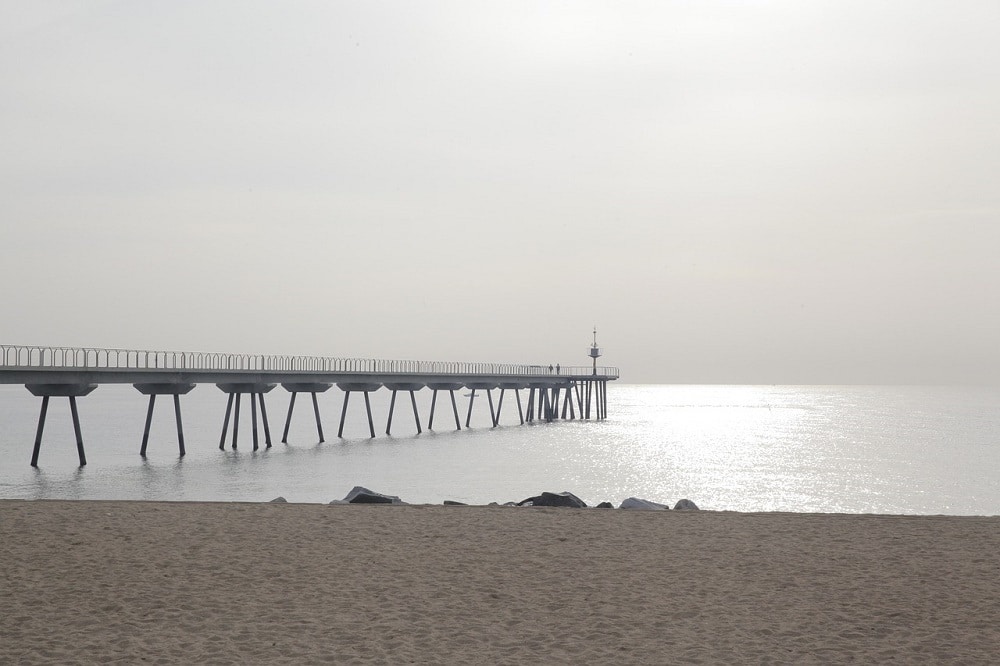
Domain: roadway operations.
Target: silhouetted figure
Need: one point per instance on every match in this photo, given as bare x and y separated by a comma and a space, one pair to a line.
550, 368
557, 369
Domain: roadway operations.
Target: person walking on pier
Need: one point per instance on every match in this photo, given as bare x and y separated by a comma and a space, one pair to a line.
557, 369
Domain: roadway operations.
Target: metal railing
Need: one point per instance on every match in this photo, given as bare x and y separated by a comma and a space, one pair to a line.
88, 358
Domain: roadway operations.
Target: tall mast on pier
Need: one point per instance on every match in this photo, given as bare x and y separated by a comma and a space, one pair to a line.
595, 351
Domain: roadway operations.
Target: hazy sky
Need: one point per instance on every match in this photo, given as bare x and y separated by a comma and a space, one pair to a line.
763, 192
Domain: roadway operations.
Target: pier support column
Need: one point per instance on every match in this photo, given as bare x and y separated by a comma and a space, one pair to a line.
496, 421
516, 388
153, 390
71, 391
604, 399
493, 415
295, 389
416, 416
450, 387
263, 413
237, 390
434, 399
468, 416
568, 403
542, 401
454, 408
485, 386
392, 406
364, 387
411, 388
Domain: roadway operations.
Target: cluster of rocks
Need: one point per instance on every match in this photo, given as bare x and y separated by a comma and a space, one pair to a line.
361, 495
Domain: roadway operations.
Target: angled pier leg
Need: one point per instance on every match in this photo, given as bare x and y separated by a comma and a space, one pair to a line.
604, 400
520, 411
531, 404
468, 417
288, 419
263, 418
434, 399
496, 421
416, 416
588, 392
454, 408
180, 428
371, 423
149, 421
38, 431
343, 413
319, 424
225, 422
236, 420
569, 399
76, 430
392, 406
579, 399
566, 398
493, 416
253, 417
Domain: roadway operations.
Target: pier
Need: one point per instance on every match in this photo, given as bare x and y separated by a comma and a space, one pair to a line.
553, 392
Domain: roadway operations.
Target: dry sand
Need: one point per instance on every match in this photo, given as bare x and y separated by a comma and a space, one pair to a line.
144, 582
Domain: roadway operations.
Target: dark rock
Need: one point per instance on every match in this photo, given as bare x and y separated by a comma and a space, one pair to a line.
555, 499
642, 505
279, 500
454, 503
361, 495
605, 505
685, 505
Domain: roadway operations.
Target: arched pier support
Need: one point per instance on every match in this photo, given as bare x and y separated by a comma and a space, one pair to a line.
450, 387
237, 391
71, 391
295, 389
153, 390
411, 387
364, 387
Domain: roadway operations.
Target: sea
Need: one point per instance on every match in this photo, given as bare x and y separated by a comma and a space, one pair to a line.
923, 450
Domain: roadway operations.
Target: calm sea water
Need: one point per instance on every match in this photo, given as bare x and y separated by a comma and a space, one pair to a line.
912, 450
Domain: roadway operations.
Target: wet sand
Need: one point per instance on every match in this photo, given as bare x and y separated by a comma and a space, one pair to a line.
216, 583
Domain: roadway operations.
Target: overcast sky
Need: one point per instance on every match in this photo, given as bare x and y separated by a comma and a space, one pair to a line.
734, 192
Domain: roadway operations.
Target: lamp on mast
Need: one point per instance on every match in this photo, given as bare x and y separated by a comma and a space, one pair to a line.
595, 351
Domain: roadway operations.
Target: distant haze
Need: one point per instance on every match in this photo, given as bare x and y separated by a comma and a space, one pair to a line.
735, 192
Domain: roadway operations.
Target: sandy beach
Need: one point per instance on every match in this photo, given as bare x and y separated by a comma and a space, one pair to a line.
215, 583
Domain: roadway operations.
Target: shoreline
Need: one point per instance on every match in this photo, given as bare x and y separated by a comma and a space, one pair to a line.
123, 581
280, 501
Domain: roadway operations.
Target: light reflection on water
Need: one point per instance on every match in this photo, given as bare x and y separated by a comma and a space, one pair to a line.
748, 448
